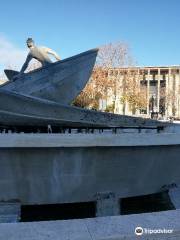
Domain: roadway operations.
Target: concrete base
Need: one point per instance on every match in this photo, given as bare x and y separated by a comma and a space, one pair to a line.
109, 228
107, 204
174, 195
70, 168
9, 212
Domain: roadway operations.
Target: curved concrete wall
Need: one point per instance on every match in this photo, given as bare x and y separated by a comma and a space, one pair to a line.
37, 175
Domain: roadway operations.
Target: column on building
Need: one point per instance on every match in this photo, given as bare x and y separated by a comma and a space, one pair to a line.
117, 93
178, 96
166, 94
158, 88
169, 93
126, 107
139, 85
176, 84
148, 83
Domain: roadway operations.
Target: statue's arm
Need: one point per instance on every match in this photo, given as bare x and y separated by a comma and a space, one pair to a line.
50, 51
25, 65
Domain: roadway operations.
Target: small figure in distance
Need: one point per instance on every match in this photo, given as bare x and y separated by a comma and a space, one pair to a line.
39, 53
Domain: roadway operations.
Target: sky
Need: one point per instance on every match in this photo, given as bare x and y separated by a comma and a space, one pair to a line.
150, 28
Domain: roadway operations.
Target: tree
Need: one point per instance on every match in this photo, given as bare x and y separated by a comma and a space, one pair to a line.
110, 59
134, 90
114, 75
87, 98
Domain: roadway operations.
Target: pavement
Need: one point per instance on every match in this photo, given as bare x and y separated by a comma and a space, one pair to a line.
101, 228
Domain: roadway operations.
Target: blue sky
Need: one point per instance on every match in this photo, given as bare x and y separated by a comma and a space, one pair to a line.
151, 28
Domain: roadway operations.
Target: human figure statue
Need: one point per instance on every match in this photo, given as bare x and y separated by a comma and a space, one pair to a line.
39, 53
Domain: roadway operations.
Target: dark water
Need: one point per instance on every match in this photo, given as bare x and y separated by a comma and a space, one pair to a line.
142, 204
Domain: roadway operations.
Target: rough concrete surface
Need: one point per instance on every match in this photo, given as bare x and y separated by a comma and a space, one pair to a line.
104, 228
67, 172
45, 140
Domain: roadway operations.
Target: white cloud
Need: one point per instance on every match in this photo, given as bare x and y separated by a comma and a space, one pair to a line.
10, 55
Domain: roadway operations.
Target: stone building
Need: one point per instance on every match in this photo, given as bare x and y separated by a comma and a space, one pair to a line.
162, 87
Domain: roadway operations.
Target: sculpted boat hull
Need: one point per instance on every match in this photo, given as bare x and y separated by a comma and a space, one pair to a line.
22, 110
61, 81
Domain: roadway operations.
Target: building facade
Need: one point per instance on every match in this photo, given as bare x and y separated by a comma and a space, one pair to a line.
162, 89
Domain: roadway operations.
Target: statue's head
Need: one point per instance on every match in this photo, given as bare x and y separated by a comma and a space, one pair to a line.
30, 42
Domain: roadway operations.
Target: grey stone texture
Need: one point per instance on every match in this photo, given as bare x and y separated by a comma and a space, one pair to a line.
60, 168
103, 228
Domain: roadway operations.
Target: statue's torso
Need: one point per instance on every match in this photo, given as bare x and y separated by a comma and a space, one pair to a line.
40, 54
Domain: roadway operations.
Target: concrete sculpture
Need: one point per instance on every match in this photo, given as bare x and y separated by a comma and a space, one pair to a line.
64, 168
